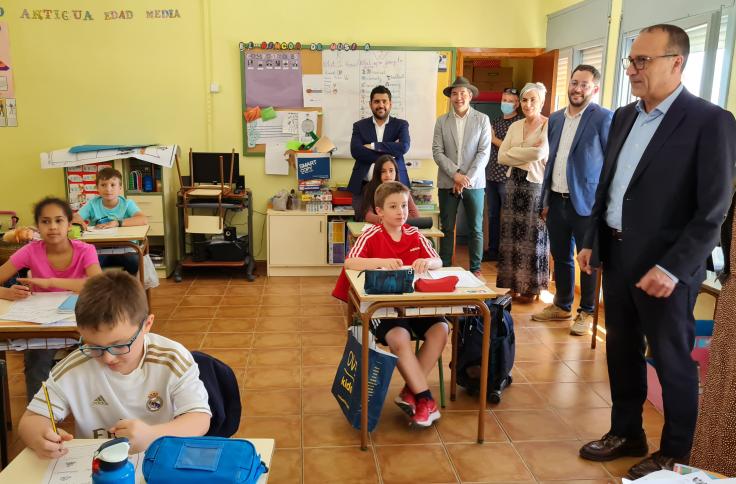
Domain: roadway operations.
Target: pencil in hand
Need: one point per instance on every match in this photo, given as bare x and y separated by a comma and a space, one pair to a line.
51, 410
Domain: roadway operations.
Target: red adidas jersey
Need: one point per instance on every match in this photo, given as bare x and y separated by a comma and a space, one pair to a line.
376, 243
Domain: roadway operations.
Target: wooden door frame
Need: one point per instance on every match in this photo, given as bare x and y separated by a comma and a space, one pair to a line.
464, 53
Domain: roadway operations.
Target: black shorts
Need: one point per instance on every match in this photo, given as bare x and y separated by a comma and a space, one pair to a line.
416, 327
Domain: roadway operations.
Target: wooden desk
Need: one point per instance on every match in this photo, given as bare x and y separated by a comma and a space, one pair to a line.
129, 237
356, 228
29, 468
474, 297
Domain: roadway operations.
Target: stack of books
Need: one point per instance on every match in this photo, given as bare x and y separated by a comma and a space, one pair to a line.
421, 191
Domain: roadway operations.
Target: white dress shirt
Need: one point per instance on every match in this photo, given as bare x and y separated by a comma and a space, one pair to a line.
460, 122
559, 173
380, 128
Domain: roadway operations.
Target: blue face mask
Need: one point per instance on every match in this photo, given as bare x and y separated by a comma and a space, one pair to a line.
507, 108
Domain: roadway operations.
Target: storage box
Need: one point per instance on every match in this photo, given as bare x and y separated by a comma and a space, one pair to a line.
310, 166
493, 78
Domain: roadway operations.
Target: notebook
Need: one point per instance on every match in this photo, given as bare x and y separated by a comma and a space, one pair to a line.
68, 305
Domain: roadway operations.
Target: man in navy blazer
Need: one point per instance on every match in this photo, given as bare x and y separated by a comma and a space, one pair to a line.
577, 140
663, 195
375, 136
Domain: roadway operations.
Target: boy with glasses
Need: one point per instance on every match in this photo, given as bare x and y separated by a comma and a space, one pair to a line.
122, 381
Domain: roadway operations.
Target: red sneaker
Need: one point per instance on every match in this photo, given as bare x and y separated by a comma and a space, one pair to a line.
406, 401
426, 413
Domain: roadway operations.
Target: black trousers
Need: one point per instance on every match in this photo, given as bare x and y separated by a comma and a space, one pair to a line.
669, 327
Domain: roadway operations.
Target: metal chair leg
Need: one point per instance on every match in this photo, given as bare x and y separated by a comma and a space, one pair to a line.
442, 382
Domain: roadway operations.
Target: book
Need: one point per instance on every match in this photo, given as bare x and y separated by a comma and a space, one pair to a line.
68, 305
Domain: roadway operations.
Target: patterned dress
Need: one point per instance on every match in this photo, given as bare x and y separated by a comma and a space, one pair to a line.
523, 261
714, 445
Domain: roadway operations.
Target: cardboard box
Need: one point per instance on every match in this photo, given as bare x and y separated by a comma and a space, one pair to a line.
493, 78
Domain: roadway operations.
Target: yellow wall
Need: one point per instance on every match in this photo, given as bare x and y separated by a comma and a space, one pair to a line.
146, 80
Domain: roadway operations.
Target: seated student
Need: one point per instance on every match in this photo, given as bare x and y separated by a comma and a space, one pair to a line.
386, 169
122, 381
390, 245
112, 209
56, 263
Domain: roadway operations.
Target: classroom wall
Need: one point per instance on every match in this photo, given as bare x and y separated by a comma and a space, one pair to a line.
146, 79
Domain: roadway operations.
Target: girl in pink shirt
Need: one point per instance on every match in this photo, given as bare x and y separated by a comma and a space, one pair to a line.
55, 262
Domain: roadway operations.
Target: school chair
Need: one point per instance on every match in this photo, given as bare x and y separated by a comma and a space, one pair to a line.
3, 414
596, 309
224, 395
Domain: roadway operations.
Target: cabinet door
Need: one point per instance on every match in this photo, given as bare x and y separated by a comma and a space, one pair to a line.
297, 240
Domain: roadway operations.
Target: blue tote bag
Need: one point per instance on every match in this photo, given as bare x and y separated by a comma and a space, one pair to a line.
346, 387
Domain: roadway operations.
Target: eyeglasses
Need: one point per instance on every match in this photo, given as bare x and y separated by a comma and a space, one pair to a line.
115, 350
511, 90
582, 85
640, 62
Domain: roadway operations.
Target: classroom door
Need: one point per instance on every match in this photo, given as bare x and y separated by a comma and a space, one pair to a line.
545, 71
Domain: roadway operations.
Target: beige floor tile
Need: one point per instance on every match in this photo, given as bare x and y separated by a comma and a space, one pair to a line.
277, 340
520, 396
318, 376
286, 467
265, 403
401, 464
489, 462
588, 423
329, 430
324, 323
286, 429
596, 370
193, 313
277, 324
228, 340
324, 339
534, 352
339, 465
232, 325
272, 377
462, 427
522, 425
191, 341
559, 460
578, 351
570, 395
319, 400
280, 300
280, 311
246, 290
224, 312
312, 311
181, 325
214, 290
547, 371
200, 301
234, 358
322, 355
290, 358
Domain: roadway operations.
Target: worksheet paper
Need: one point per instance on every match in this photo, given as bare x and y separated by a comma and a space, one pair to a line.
76, 466
276, 164
41, 308
465, 278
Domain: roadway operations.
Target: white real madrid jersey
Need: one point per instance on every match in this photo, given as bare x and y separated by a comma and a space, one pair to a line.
165, 385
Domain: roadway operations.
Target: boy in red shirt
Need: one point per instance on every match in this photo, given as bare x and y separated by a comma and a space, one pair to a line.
391, 245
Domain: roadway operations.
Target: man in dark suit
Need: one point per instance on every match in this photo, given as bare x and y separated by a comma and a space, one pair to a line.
375, 136
577, 140
663, 195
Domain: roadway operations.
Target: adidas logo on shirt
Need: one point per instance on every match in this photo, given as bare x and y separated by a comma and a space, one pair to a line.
100, 400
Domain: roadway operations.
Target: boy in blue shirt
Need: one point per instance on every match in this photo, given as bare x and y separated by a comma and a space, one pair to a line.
111, 209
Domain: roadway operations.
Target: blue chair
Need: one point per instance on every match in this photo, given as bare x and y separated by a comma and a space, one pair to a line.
224, 394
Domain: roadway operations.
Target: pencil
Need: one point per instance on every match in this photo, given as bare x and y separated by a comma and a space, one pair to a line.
48, 404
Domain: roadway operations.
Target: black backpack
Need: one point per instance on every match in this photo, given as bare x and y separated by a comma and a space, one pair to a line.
502, 349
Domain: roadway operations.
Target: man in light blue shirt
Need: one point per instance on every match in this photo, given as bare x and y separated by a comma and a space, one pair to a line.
663, 194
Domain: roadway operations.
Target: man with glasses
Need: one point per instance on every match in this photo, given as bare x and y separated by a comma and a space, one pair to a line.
664, 192
577, 140
495, 173
122, 381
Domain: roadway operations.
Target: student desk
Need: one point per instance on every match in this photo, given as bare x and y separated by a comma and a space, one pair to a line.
29, 468
134, 237
443, 302
356, 228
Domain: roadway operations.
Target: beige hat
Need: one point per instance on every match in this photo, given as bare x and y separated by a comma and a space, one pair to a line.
460, 82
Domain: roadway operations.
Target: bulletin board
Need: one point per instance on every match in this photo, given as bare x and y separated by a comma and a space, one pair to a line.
336, 85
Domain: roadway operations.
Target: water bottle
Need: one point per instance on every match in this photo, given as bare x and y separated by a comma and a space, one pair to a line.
110, 463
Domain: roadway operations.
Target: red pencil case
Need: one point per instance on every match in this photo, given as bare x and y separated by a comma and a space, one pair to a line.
443, 284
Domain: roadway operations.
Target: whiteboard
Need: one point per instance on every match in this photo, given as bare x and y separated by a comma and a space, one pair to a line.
349, 77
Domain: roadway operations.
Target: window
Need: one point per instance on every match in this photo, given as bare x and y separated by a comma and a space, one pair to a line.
563, 74
708, 65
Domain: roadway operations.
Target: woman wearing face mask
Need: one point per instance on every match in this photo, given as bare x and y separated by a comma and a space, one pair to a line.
495, 173
386, 169
523, 264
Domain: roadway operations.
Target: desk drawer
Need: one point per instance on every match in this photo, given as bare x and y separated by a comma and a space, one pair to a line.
151, 206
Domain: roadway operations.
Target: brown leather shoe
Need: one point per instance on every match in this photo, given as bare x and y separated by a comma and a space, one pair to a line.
653, 463
611, 447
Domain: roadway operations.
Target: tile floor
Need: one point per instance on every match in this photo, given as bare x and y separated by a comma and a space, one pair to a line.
284, 337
